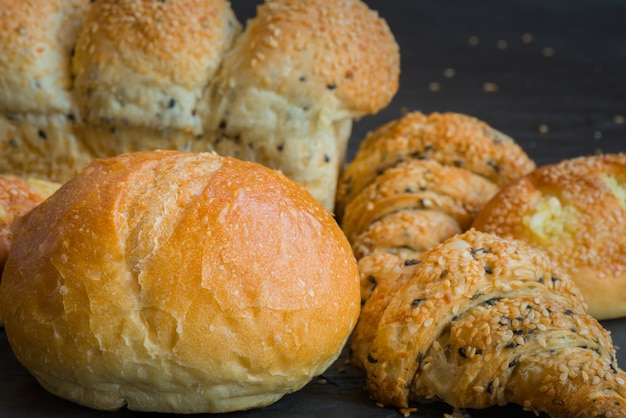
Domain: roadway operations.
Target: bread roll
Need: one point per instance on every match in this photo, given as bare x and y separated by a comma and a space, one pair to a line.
38, 113
575, 211
141, 69
482, 321
449, 138
294, 81
178, 282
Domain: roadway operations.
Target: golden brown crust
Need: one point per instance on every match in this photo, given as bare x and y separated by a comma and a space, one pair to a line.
178, 282
418, 184
405, 233
575, 211
338, 46
17, 197
484, 321
449, 138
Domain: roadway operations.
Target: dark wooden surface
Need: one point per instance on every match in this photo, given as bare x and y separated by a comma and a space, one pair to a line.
557, 68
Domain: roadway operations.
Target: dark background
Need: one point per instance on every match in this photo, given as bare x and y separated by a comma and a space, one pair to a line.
559, 70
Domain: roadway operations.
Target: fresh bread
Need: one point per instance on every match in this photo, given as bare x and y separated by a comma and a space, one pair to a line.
178, 282
481, 321
449, 138
38, 113
295, 80
142, 67
84, 79
575, 211
17, 197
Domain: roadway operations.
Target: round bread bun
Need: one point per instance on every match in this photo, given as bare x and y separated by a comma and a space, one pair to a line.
576, 212
178, 282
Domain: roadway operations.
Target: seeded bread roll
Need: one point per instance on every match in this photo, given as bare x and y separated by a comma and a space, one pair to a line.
448, 138
482, 321
178, 282
37, 110
295, 80
575, 211
141, 69
418, 185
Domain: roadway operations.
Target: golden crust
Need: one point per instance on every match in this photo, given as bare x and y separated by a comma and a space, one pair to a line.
484, 321
340, 46
17, 197
449, 138
575, 211
232, 285
421, 184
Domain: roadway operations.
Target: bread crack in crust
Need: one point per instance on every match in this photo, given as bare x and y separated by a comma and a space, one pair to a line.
482, 321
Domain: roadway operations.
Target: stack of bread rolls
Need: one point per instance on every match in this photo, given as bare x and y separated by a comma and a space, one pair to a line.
81, 80
182, 282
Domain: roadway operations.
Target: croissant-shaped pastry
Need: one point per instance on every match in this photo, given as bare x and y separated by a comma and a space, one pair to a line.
480, 321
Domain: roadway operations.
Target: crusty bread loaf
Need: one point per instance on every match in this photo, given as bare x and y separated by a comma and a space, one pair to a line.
178, 282
575, 211
82, 80
295, 80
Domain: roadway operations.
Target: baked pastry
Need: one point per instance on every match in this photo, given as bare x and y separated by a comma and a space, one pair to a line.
295, 80
448, 138
17, 197
575, 211
142, 67
178, 282
483, 321
421, 186
38, 113
83, 79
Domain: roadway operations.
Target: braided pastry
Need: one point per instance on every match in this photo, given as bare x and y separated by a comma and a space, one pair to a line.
482, 321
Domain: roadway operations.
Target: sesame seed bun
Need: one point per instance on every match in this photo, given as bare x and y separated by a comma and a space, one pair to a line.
178, 282
575, 211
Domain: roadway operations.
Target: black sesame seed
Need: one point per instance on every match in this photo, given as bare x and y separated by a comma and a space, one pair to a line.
493, 166
569, 312
488, 270
331, 86
541, 280
280, 147
42, 134
371, 359
613, 368
490, 387
326, 158
302, 78
511, 345
512, 363
416, 302
518, 331
222, 124
71, 117
171, 103
420, 357
193, 112
462, 352
411, 262
408, 190
554, 279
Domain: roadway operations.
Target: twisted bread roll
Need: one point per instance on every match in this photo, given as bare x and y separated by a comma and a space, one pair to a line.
575, 211
484, 321
294, 81
449, 138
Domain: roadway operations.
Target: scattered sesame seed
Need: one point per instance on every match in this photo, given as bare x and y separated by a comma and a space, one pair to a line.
527, 38
434, 86
502, 44
449, 72
490, 87
474, 40
619, 119
547, 52
543, 128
